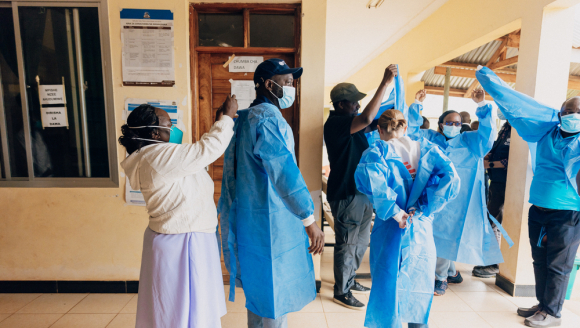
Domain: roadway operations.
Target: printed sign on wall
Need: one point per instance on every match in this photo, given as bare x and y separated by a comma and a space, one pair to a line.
147, 37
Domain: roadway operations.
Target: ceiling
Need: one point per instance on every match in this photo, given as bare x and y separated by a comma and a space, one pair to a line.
355, 34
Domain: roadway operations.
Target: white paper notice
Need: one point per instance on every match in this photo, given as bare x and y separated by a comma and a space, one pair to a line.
51, 94
147, 37
245, 63
54, 117
245, 93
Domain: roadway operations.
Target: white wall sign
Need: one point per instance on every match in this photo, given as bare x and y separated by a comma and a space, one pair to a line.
54, 117
52, 94
147, 37
245, 63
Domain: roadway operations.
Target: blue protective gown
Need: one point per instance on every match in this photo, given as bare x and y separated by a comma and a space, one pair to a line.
462, 231
556, 160
403, 260
396, 100
263, 200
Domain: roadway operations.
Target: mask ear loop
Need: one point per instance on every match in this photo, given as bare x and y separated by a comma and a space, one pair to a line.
148, 126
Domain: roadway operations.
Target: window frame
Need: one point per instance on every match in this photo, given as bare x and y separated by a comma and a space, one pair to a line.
79, 182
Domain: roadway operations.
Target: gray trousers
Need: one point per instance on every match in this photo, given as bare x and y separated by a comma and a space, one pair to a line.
255, 321
352, 227
444, 268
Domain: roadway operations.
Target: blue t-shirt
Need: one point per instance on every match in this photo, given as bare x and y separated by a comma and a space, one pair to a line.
550, 186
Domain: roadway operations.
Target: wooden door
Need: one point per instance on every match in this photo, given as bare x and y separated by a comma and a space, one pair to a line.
277, 30
214, 87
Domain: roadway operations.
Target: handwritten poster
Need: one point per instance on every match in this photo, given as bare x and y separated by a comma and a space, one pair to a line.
148, 55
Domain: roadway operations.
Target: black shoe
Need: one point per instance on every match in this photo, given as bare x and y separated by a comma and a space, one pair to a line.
349, 301
440, 288
456, 279
489, 271
359, 289
528, 312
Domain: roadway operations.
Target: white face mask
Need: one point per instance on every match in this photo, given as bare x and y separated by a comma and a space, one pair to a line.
289, 94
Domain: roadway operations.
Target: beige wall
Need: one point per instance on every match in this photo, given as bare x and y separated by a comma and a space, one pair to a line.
89, 233
454, 29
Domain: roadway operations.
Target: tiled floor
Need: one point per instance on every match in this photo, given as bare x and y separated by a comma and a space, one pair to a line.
474, 303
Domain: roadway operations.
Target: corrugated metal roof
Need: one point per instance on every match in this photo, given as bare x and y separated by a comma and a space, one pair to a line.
481, 56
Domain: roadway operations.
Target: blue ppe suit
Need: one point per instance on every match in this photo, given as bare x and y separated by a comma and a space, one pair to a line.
558, 160
263, 200
403, 260
462, 230
396, 100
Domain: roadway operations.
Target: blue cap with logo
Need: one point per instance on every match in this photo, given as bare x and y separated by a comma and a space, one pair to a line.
271, 67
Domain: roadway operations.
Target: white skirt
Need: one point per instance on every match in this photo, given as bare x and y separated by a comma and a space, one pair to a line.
181, 284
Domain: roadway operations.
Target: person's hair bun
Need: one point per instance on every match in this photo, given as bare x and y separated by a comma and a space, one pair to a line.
392, 120
144, 115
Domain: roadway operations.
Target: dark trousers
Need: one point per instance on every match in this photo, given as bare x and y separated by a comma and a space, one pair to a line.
496, 198
352, 227
553, 259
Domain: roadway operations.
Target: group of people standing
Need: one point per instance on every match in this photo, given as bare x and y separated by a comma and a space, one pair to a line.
426, 188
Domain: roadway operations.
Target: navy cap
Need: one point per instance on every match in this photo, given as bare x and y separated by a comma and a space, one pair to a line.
274, 66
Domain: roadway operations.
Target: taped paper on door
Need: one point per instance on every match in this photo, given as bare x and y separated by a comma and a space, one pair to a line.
245, 93
245, 64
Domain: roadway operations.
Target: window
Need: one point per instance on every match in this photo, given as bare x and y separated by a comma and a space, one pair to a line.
221, 30
54, 126
247, 25
271, 30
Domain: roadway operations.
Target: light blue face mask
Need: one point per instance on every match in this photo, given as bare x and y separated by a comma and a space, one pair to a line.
288, 97
451, 131
570, 123
175, 134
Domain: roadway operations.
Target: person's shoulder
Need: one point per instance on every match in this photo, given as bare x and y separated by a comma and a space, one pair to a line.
263, 111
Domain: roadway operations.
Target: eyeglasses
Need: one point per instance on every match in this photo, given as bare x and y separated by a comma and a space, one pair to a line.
452, 123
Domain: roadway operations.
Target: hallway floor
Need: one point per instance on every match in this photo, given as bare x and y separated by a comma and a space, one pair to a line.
476, 303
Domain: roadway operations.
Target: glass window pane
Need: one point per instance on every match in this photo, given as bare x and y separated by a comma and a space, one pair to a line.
49, 51
10, 84
272, 31
221, 30
94, 92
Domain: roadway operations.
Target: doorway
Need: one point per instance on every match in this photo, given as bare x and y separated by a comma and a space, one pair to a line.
220, 31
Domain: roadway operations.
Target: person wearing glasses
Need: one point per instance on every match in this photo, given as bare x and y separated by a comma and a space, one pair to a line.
461, 229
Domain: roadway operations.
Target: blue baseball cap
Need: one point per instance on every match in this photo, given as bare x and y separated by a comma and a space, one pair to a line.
271, 67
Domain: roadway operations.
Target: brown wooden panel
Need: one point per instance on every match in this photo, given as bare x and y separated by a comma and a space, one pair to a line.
241, 50
218, 172
220, 72
220, 161
216, 198
217, 185
221, 86
223, 58
205, 100
218, 99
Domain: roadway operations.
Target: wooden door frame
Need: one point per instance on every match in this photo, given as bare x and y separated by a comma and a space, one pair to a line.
246, 9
